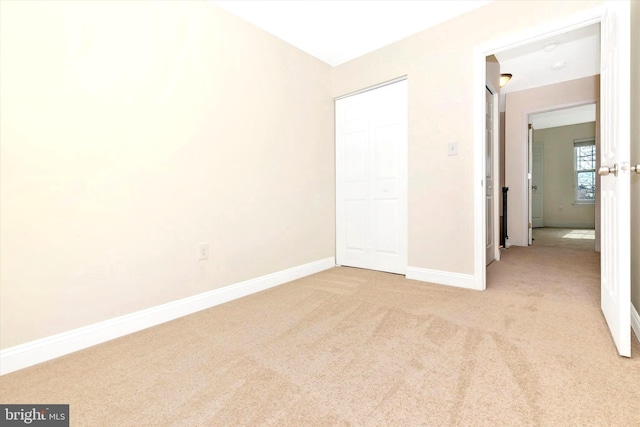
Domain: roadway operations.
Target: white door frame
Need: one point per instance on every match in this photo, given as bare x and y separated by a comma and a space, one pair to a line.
562, 25
541, 150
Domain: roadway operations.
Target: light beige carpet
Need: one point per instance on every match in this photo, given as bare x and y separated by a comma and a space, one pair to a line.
357, 347
570, 238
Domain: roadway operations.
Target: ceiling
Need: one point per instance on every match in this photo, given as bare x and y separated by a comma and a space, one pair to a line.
556, 59
339, 31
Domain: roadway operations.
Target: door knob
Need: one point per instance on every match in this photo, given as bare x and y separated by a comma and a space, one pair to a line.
535, 187
606, 170
635, 168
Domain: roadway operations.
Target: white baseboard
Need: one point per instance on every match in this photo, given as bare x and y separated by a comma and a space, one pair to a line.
512, 242
34, 352
459, 280
635, 322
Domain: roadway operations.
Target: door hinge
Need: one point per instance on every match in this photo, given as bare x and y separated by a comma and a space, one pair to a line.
529, 225
530, 125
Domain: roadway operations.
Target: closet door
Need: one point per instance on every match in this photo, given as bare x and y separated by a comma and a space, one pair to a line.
371, 179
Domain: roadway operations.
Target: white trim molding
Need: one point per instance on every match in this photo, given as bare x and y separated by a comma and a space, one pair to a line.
635, 322
42, 350
467, 281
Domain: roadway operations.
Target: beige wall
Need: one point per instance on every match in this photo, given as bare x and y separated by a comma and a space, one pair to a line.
492, 71
635, 154
502, 148
518, 106
559, 209
132, 131
502, 170
439, 66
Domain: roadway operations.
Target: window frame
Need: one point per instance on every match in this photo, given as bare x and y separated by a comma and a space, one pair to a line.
584, 142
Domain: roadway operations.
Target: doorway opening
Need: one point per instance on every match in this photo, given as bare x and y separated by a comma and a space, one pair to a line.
614, 87
527, 44
564, 195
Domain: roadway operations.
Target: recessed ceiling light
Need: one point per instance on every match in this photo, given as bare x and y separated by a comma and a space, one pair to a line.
558, 65
551, 46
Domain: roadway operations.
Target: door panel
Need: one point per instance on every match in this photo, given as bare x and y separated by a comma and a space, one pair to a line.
371, 179
386, 222
615, 188
386, 153
356, 229
355, 158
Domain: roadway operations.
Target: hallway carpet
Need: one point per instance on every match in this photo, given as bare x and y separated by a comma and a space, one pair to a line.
357, 347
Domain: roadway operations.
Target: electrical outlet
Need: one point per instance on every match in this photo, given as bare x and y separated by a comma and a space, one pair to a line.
452, 149
203, 251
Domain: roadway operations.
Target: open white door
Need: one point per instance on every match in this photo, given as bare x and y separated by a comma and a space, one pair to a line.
489, 176
529, 181
615, 180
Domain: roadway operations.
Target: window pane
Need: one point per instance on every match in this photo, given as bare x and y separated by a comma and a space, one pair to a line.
586, 185
586, 157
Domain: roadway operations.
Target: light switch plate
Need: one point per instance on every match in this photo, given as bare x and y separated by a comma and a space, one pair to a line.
203, 251
452, 149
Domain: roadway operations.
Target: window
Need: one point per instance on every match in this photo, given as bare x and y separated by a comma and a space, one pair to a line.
584, 153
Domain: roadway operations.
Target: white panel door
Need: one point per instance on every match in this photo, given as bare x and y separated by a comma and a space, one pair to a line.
615, 203
537, 186
371, 179
530, 183
489, 180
